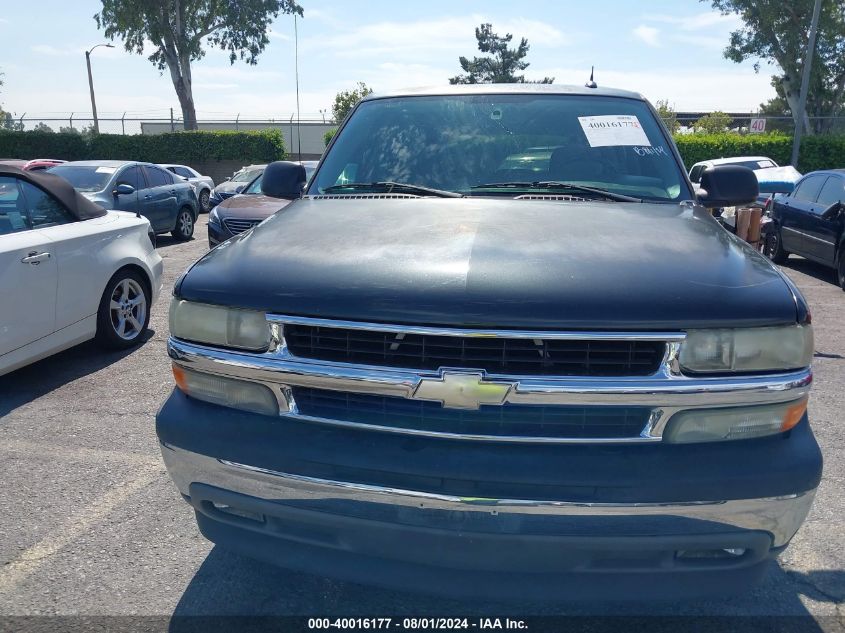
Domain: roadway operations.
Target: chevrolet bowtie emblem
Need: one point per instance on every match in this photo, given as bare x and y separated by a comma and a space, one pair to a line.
462, 390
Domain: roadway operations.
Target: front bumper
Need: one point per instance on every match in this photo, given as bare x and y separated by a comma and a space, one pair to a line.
483, 519
217, 234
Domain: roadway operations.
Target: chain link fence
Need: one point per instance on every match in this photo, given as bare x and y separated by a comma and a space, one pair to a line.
681, 122
152, 125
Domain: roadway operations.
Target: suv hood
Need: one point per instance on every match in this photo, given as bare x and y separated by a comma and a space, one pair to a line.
492, 262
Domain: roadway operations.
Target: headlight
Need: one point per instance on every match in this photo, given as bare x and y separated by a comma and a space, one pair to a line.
747, 349
228, 392
733, 423
218, 325
213, 216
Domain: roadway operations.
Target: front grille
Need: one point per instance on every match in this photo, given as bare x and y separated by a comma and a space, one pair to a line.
515, 356
508, 420
239, 226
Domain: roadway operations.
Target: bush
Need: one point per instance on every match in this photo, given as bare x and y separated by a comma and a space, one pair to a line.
695, 148
328, 136
175, 147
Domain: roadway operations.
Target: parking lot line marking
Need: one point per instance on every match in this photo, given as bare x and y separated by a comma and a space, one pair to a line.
32, 558
74, 453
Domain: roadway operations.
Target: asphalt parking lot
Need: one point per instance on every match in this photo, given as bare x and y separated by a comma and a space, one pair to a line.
90, 524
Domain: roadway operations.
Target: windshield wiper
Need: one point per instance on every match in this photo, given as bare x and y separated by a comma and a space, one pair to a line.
555, 185
399, 187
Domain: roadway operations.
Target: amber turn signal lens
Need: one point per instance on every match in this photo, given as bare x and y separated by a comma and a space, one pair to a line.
179, 376
794, 414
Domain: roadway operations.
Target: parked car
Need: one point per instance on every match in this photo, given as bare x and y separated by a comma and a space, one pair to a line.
69, 270
752, 162
203, 185
168, 202
428, 374
234, 185
810, 222
35, 164
262, 198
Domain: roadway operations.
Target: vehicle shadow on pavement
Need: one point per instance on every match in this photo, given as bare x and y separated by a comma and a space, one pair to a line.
28, 383
812, 269
166, 241
228, 584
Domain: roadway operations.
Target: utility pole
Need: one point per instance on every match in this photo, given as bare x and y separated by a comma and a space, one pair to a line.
805, 83
91, 84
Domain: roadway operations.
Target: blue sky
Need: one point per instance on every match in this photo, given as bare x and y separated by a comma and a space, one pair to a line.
666, 49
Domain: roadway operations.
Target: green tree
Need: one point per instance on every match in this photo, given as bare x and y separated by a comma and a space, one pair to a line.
43, 127
776, 32
8, 123
345, 100
712, 123
500, 65
667, 113
179, 29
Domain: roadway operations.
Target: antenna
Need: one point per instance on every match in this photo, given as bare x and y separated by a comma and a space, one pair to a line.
591, 83
296, 58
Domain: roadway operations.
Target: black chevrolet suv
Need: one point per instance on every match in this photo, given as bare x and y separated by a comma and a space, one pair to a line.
499, 347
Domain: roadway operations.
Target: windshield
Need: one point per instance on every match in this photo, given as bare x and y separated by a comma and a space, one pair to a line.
456, 143
85, 177
245, 175
254, 187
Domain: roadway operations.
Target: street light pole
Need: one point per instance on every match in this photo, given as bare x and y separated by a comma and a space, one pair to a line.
805, 83
91, 85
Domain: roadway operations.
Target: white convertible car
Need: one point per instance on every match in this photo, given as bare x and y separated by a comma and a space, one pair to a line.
69, 270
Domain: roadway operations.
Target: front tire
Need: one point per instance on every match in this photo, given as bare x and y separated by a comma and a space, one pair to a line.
205, 203
184, 225
773, 247
840, 271
124, 311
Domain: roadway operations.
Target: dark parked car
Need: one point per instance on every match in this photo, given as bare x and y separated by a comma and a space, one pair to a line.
234, 185
810, 222
434, 374
250, 207
168, 202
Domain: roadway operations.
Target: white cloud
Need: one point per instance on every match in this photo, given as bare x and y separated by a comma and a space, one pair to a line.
444, 34
214, 86
47, 49
647, 34
238, 72
697, 88
697, 21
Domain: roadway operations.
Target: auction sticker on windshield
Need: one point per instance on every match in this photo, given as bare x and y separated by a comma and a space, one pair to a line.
613, 130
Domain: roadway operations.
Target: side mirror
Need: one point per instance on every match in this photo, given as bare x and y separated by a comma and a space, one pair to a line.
728, 186
123, 190
239, 188
227, 178
283, 179
832, 211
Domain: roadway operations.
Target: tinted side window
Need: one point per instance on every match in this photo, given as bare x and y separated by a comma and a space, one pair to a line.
13, 215
695, 174
809, 188
131, 176
832, 191
158, 177
181, 171
43, 209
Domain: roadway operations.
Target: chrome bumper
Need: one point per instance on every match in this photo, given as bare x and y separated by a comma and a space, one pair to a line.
780, 516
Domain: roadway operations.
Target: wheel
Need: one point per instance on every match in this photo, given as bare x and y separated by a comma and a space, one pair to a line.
204, 200
184, 225
773, 247
124, 311
840, 271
